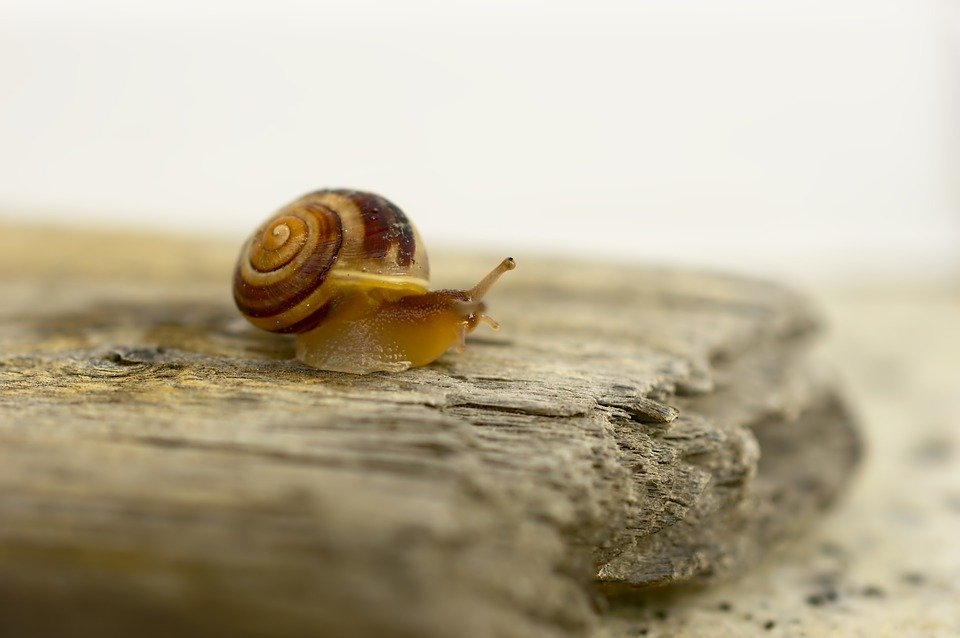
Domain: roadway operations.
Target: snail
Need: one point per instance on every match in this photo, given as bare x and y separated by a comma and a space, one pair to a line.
347, 273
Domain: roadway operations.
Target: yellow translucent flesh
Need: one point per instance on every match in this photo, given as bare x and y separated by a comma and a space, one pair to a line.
366, 333
419, 343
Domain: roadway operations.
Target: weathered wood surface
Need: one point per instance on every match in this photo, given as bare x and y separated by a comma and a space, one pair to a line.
166, 468
886, 562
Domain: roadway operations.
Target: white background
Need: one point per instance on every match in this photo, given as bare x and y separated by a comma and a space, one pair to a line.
794, 137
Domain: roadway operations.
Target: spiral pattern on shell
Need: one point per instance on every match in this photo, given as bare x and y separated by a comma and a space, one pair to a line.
283, 281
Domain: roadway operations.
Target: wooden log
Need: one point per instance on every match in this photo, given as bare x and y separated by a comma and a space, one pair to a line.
167, 469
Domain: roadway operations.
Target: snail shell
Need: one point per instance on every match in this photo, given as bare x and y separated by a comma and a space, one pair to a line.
299, 259
347, 273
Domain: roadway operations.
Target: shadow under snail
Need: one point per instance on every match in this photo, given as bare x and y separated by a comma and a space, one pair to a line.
347, 273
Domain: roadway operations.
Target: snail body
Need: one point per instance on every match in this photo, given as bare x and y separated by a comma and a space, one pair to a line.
347, 272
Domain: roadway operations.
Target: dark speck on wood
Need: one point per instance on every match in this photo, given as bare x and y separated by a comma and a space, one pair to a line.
914, 578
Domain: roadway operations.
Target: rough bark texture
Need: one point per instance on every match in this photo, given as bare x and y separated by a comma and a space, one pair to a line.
165, 467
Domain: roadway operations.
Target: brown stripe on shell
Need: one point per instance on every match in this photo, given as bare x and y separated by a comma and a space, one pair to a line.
309, 322
307, 271
385, 226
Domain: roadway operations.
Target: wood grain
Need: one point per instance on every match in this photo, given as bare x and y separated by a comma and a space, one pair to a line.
166, 468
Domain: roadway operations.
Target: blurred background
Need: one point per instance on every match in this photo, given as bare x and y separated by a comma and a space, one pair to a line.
801, 138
